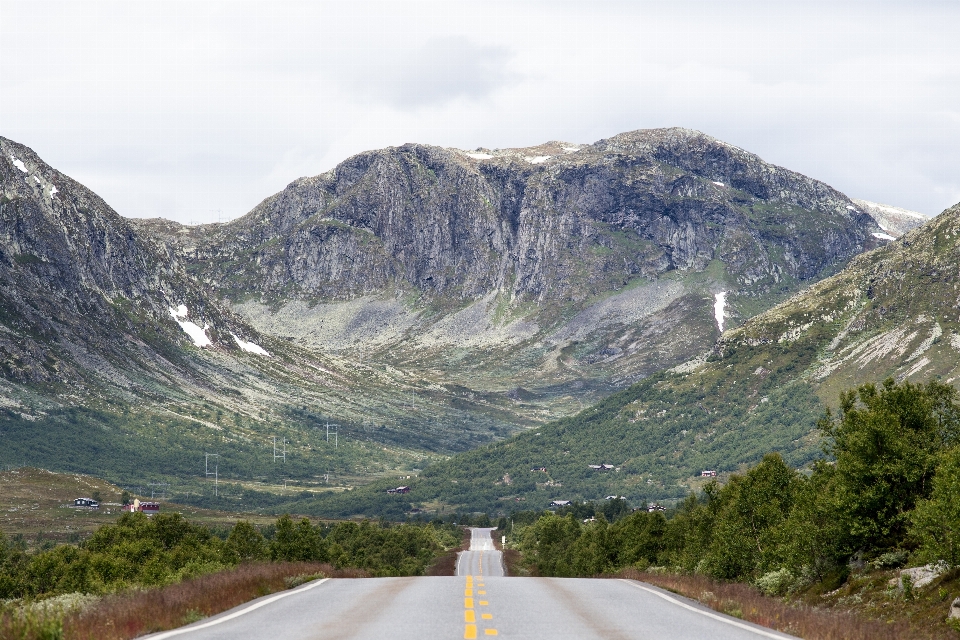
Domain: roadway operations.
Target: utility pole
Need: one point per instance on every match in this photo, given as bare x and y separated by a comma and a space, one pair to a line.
336, 435
159, 484
215, 473
283, 454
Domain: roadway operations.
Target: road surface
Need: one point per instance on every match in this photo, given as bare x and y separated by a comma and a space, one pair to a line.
477, 603
482, 559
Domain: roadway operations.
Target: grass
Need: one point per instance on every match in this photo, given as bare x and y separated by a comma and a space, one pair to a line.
134, 613
33, 504
800, 619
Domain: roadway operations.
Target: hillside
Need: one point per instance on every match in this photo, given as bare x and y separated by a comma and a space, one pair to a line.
423, 300
890, 313
530, 282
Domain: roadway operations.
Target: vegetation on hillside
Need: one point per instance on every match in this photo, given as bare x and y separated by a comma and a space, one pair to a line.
658, 435
139, 551
887, 498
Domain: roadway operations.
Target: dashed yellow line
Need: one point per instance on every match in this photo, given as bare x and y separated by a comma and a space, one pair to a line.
469, 615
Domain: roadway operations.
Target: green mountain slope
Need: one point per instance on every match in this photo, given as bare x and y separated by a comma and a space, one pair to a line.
892, 312
426, 301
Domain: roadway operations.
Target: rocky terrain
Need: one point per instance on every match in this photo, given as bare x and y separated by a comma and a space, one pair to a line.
562, 270
423, 298
892, 312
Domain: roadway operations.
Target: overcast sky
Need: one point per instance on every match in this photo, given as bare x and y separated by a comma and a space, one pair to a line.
196, 111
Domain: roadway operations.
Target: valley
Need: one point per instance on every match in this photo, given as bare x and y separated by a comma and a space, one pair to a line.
424, 301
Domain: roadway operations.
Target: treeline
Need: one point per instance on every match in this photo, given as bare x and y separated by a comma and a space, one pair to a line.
666, 428
887, 497
139, 551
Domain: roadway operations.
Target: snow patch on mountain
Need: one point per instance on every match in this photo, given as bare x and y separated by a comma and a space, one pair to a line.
249, 346
198, 335
19, 164
720, 302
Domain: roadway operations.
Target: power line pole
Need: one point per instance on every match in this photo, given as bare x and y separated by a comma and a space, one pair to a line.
159, 484
336, 435
215, 473
283, 454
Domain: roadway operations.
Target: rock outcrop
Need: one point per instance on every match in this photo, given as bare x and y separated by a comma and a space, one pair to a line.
551, 223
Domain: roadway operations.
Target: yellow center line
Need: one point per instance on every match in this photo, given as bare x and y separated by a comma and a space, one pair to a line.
469, 615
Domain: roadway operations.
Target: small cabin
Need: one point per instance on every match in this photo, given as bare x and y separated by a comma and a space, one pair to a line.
708, 473
600, 467
150, 508
560, 503
653, 508
399, 490
540, 469
87, 503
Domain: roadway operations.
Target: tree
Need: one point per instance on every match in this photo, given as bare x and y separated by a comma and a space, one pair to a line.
886, 443
753, 505
297, 542
935, 523
245, 544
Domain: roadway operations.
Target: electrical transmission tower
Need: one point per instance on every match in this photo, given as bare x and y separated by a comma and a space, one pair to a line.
215, 473
283, 453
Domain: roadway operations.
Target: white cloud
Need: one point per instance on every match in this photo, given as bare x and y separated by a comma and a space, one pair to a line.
199, 110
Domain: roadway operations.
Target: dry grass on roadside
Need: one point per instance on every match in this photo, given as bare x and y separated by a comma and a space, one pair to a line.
131, 614
446, 562
811, 623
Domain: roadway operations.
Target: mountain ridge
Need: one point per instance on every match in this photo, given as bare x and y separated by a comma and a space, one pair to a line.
425, 300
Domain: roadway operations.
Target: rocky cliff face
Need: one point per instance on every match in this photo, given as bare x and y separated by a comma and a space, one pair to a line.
423, 297
549, 223
85, 300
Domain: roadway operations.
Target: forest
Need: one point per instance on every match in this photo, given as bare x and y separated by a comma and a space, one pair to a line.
885, 496
140, 551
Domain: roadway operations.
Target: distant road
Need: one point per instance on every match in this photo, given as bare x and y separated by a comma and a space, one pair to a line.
478, 602
482, 559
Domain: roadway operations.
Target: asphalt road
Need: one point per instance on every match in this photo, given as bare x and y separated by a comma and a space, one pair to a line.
482, 559
472, 605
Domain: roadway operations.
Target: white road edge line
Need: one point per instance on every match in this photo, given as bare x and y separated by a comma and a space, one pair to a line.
236, 614
715, 616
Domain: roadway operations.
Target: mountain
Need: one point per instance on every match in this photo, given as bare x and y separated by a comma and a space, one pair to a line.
891, 312
892, 220
540, 278
425, 300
